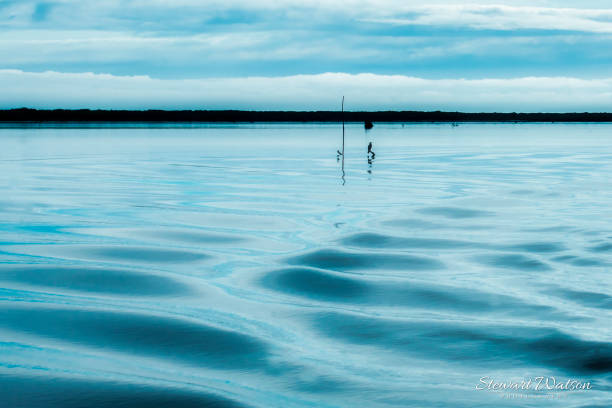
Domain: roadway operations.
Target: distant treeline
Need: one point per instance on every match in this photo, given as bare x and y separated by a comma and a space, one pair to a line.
86, 115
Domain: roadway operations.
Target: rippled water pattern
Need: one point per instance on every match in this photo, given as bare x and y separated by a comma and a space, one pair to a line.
229, 266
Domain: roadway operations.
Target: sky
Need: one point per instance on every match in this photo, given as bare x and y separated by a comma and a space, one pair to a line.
304, 55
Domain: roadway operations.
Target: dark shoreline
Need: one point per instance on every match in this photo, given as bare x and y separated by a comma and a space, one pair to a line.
86, 115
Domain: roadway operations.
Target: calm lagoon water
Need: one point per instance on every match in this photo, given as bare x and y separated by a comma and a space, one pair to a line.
234, 266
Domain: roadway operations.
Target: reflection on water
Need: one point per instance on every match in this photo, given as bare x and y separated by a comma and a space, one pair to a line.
226, 266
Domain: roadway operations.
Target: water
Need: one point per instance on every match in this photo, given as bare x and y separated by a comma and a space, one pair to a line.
235, 266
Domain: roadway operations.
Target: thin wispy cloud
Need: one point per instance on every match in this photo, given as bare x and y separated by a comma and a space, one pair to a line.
501, 17
190, 15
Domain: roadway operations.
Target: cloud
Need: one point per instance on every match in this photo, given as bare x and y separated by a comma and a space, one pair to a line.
303, 92
502, 17
196, 15
289, 52
181, 39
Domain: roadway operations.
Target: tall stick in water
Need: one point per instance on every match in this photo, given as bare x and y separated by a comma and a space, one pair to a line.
343, 181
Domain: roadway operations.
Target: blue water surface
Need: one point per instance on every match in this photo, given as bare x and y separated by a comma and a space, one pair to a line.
245, 265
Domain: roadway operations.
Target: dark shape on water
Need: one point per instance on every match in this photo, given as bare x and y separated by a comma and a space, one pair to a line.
168, 338
325, 285
368, 125
331, 259
316, 284
605, 247
51, 391
118, 282
585, 298
513, 261
546, 347
378, 241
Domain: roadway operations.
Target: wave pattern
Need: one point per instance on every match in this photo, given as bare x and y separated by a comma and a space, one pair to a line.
237, 266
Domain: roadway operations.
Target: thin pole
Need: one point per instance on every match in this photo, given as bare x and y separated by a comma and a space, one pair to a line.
343, 181
343, 129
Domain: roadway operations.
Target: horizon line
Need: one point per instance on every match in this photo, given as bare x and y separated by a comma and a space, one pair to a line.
29, 115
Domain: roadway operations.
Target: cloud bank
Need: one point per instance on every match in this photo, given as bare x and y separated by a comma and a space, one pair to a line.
269, 54
303, 92
181, 39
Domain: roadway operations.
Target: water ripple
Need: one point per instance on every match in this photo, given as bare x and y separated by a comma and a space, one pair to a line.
468, 343
514, 261
141, 254
372, 240
323, 285
238, 265
119, 282
57, 392
176, 339
351, 261
589, 299
455, 212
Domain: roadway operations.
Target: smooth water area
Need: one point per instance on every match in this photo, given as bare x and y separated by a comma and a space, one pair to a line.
240, 266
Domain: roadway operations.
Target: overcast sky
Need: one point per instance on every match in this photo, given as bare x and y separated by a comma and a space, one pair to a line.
290, 54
